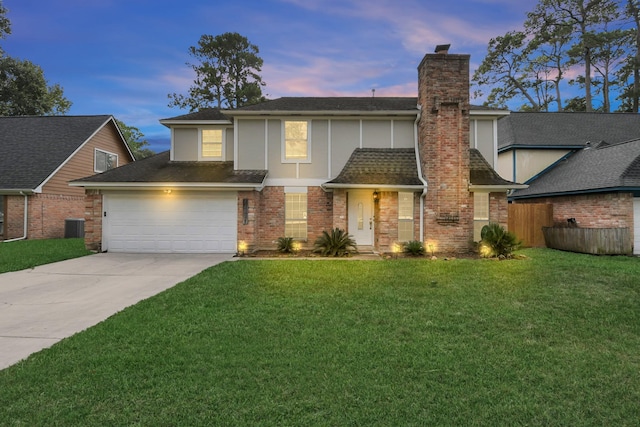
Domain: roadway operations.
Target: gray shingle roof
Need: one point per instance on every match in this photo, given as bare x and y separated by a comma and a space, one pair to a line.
481, 172
380, 166
33, 147
602, 168
159, 169
340, 103
201, 115
565, 130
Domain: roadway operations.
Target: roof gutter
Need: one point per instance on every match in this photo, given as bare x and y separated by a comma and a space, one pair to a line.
497, 188
380, 187
26, 216
199, 186
425, 185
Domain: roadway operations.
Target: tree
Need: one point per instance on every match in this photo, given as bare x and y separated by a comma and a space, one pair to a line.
5, 25
24, 90
23, 87
135, 140
505, 69
227, 74
581, 18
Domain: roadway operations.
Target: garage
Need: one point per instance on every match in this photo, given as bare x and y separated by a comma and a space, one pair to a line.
636, 226
170, 222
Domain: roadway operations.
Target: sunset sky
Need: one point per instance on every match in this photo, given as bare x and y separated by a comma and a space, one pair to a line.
122, 57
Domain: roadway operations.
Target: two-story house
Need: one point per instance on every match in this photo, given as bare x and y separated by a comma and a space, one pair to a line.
585, 167
387, 170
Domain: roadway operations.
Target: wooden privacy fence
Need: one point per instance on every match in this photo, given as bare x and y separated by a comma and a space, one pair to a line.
598, 241
526, 222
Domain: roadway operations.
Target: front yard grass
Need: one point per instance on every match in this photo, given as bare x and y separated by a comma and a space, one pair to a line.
25, 254
553, 339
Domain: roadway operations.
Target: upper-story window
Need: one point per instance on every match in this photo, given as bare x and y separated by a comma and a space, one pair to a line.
296, 147
103, 161
211, 144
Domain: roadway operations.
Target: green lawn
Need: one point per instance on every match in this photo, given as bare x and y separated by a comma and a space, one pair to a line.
553, 339
25, 254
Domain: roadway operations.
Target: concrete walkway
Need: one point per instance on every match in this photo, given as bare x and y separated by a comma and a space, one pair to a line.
41, 306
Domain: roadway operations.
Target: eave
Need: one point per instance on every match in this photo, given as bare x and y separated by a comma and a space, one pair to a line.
379, 187
343, 113
154, 186
635, 190
169, 123
496, 188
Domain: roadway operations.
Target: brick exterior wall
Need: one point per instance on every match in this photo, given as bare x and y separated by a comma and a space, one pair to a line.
443, 93
93, 220
499, 209
597, 210
46, 215
269, 216
248, 232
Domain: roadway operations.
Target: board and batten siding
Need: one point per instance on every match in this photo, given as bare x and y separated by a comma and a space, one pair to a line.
482, 136
332, 143
81, 165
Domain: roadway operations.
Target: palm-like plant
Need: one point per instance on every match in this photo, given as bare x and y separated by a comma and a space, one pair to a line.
335, 243
497, 242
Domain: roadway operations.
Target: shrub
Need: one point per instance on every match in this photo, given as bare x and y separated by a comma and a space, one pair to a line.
335, 243
497, 242
414, 247
285, 245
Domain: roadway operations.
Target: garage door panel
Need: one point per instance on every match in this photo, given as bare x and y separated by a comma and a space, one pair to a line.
198, 223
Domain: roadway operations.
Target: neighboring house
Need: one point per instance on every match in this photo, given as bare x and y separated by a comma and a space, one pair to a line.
40, 155
387, 170
587, 165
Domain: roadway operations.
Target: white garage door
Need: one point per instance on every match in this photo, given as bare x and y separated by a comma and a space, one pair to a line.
188, 223
636, 226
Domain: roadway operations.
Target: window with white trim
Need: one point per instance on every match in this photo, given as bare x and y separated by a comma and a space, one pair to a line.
211, 144
480, 214
103, 161
295, 141
405, 216
295, 214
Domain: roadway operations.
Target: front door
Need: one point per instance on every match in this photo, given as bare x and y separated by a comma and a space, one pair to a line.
361, 216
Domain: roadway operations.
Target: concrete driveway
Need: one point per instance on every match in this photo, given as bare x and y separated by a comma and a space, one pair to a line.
41, 306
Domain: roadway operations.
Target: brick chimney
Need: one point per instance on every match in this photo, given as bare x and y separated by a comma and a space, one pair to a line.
443, 94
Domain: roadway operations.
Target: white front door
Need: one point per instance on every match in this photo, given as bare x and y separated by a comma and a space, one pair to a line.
636, 226
361, 216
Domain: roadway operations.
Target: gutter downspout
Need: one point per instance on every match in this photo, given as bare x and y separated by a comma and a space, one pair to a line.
419, 164
26, 210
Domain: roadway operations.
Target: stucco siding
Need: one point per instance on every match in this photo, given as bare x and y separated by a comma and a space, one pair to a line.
228, 142
376, 133
504, 166
318, 168
185, 144
251, 144
345, 137
482, 137
403, 135
529, 163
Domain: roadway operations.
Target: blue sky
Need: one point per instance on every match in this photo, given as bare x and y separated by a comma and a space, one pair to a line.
122, 57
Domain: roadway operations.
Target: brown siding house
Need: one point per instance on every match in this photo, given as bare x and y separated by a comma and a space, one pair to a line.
41, 154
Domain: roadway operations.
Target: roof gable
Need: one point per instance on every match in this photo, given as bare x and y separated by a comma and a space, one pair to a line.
379, 167
565, 130
608, 167
35, 147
